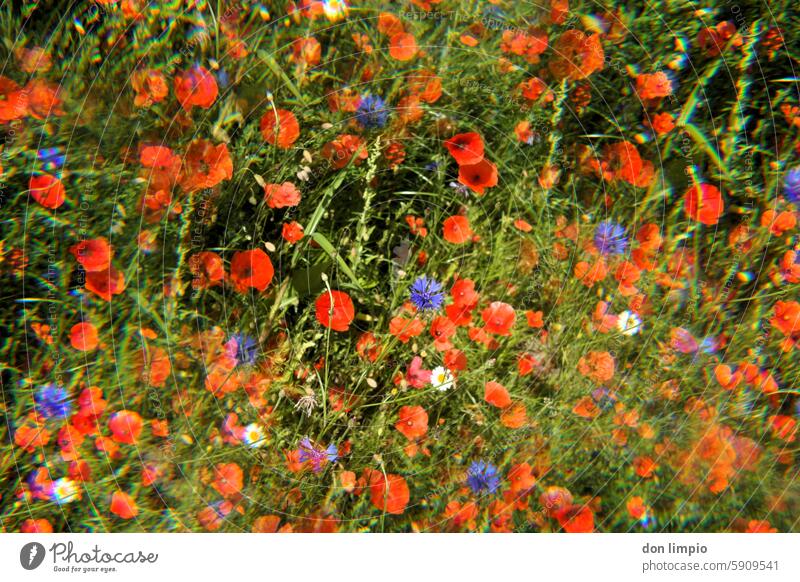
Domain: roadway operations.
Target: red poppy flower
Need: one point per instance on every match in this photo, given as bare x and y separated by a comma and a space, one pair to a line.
404, 328
652, 87
266, 524
408, 109
389, 24
390, 493
463, 293
663, 123
33, 60
205, 165
523, 225
105, 284
47, 190
157, 156
576, 519
586, 408
228, 479
292, 232
251, 269
466, 148
521, 478
150, 87
442, 329
403, 46
154, 365
207, 269
36, 526
598, 366
778, 223
760, 526
212, 517
94, 254
425, 85
645, 466
514, 415
344, 148
83, 337
783, 427
13, 100
528, 44
496, 394
456, 229
44, 99
306, 52
280, 128
703, 202
335, 310
31, 437
126, 426
479, 176
534, 88
460, 316
713, 39
196, 87
591, 274
786, 317
123, 505
535, 319
368, 347
412, 422
576, 55
526, 364
499, 318
455, 360
281, 195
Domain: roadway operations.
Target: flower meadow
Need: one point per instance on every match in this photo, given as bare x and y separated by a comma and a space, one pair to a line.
411, 266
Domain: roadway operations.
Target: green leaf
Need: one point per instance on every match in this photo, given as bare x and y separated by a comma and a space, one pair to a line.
328, 248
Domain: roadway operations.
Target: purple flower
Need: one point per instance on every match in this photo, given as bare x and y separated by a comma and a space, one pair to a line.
610, 239
243, 348
52, 401
371, 112
427, 294
483, 476
604, 398
791, 185
316, 455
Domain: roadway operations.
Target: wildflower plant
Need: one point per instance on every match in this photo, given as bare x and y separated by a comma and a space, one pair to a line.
319, 266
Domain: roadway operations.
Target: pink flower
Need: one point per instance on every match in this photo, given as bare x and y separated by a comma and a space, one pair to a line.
682, 341
416, 376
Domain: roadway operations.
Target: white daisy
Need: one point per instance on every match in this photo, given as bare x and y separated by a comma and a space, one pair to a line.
628, 323
254, 435
441, 379
64, 491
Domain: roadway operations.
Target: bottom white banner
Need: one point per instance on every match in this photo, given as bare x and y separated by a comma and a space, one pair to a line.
406, 557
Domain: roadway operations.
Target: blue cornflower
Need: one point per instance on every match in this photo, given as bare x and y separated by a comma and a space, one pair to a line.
791, 185
427, 294
709, 344
316, 454
51, 158
372, 112
244, 348
52, 401
222, 78
604, 398
610, 239
483, 476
